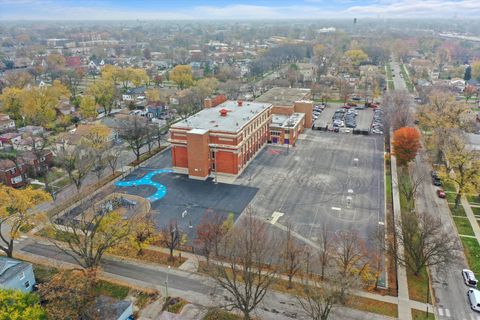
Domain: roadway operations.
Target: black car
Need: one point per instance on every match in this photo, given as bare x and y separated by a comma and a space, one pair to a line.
436, 181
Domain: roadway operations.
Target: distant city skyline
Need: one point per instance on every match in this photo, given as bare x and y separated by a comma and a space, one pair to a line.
224, 9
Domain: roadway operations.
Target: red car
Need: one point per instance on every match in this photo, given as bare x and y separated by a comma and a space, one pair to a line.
441, 193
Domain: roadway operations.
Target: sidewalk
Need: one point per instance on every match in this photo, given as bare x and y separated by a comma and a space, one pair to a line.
404, 305
471, 218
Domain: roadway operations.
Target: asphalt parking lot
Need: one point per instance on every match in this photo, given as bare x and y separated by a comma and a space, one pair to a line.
364, 118
186, 200
320, 182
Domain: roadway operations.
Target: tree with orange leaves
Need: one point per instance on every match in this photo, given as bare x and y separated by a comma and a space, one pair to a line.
406, 143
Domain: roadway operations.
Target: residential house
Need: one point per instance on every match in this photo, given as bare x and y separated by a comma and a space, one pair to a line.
33, 165
134, 94
112, 309
6, 124
155, 109
65, 108
73, 62
308, 72
75, 137
457, 84
31, 130
10, 175
16, 274
11, 138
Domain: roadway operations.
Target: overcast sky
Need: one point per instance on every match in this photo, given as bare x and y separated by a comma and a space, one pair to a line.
240, 9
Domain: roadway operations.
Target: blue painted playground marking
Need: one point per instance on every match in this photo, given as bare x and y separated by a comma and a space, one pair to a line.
147, 180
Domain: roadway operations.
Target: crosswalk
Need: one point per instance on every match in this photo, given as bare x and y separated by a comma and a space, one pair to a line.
444, 313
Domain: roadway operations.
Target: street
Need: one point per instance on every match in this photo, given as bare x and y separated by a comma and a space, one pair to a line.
447, 282
195, 288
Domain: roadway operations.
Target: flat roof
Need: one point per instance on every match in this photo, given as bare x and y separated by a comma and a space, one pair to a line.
236, 117
285, 121
279, 96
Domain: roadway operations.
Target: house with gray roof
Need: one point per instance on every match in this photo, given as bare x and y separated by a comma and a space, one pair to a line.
16, 274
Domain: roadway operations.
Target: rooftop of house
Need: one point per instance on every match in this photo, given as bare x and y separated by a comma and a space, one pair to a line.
227, 117
285, 121
6, 164
10, 268
279, 96
137, 90
10, 135
111, 309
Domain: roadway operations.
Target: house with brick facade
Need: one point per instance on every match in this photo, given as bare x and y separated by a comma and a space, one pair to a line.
10, 175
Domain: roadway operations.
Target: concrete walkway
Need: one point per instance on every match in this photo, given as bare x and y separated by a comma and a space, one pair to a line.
404, 306
471, 217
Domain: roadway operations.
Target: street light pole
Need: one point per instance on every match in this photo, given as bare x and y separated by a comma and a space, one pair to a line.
166, 283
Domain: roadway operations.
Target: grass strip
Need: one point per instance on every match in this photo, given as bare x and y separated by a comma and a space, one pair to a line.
463, 226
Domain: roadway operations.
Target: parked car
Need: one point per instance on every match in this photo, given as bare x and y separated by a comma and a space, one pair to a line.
474, 299
469, 278
356, 98
351, 104
434, 174
441, 194
436, 181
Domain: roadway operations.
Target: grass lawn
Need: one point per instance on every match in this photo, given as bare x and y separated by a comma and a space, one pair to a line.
448, 186
175, 305
111, 289
463, 226
473, 199
150, 256
472, 252
457, 211
420, 315
476, 210
374, 306
406, 78
417, 285
450, 196
219, 314
388, 187
43, 273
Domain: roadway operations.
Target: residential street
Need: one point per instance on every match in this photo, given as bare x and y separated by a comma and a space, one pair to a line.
450, 291
193, 287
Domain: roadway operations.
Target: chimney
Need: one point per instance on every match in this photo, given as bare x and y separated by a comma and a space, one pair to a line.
223, 112
207, 103
240, 103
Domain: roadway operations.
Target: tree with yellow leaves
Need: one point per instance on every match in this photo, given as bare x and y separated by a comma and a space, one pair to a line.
476, 70
356, 56
14, 215
182, 76
88, 107
153, 95
38, 104
111, 72
11, 102
103, 92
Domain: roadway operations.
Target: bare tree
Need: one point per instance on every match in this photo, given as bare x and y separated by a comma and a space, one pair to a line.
317, 299
291, 256
397, 106
326, 243
112, 157
91, 234
409, 186
425, 240
246, 273
344, 90
134, 132
170, 237
351, 261
210, 232
77, 162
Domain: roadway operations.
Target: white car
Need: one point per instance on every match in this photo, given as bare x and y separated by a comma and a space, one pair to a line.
469, 278
474, 299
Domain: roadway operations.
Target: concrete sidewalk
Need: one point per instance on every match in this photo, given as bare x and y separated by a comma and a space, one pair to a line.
404, 306
471, 217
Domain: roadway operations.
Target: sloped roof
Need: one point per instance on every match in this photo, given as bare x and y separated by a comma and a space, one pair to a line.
9, 268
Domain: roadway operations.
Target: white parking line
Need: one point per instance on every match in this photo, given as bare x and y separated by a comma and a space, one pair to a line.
440, 312
447, 313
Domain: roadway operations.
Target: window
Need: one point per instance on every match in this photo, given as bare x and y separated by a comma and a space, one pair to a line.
27, 284
213, 154
21, 276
